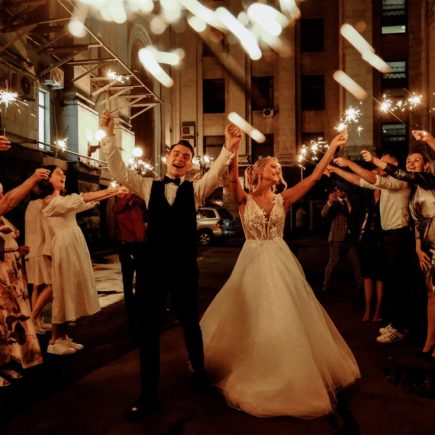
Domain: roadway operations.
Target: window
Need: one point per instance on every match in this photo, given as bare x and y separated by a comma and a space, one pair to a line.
395, 82
312, 38
260, 150
206, 213
313, 92
394, 17
262, 93
213, 145
394, 134
213, 96
43, 118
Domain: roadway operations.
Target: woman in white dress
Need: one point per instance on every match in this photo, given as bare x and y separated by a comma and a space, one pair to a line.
38, 265
74, 289
269, 345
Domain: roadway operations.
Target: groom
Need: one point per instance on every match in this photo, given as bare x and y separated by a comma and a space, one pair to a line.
171, 256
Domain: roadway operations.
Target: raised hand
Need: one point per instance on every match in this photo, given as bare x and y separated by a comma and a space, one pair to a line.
329, 170
422, 135
367, 156
5, 144
233, 137
342, 162
41, 174
106, 124
339, 140
333, 197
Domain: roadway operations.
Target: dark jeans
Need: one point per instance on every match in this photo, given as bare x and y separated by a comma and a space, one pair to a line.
401, 292
179, 280
131, 257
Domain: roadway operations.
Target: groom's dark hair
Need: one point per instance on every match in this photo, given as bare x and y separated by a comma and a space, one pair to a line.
186, 144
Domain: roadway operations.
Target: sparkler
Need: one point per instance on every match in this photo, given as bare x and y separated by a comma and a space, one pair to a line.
387, 105
351, 116
7, 97
312, 153
262, 22
61, 144
255, 134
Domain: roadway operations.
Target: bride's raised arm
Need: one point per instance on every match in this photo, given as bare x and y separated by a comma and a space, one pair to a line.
296, 192
238, 193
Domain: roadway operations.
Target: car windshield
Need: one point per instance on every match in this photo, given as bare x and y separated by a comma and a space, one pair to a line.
225, 214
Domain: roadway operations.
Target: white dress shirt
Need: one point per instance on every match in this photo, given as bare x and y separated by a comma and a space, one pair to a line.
394, 201
141, 186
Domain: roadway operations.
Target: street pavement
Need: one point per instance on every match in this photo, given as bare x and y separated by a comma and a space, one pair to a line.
89, 392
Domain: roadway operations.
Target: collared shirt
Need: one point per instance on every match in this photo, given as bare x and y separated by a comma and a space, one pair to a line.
142, 186
394, 201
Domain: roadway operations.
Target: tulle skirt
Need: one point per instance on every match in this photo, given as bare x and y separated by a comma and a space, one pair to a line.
269, 345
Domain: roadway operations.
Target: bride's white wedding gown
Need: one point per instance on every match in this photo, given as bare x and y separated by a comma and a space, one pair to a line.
269, 345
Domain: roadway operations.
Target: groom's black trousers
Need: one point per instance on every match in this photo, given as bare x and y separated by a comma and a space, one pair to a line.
178, 279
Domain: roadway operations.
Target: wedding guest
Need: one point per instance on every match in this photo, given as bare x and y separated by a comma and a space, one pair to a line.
342, 236
129, 212
398, 244
422, 206
38, 265
18, 341
73, 283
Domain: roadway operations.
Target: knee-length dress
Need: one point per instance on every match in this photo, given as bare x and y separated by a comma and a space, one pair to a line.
269, 345
38, 265
18, 340
74, 289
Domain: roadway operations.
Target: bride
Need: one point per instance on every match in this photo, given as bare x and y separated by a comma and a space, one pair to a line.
269, 345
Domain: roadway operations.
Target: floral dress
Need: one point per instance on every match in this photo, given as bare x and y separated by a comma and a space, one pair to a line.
18, 340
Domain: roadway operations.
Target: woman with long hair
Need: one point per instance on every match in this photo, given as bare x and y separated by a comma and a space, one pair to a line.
73, 283
422, 207
269, 346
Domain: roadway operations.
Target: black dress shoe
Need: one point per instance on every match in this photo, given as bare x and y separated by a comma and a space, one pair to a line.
142, 407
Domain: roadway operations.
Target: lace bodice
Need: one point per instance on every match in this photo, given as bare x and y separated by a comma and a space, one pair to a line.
258, 225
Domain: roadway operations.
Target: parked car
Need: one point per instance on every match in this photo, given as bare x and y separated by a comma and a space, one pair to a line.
214, 223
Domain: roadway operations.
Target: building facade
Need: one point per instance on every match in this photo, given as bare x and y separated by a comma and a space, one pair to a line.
290, 95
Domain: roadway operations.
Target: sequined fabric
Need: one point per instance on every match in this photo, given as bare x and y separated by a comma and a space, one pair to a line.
269, 345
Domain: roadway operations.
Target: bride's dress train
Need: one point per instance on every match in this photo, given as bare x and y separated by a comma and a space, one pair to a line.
269, 345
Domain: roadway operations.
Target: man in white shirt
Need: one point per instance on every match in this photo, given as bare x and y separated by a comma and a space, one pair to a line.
171, 256
398, 243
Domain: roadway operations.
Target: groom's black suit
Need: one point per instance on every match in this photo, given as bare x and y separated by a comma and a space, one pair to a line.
171, 268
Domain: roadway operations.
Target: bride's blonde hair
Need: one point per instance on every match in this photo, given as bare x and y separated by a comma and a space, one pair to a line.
253, 172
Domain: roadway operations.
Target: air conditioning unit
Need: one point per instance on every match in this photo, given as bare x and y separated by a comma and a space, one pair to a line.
268, 113
188, 131
54, 79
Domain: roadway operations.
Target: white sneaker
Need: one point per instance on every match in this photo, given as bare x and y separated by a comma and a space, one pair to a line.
60, 347
73, 344
392, 336
386, 329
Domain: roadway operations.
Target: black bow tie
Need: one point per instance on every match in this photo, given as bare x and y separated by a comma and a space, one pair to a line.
167, 180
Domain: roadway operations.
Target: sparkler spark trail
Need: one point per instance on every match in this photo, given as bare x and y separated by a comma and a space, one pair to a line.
313, 153
7, 97
62, 144
351, 116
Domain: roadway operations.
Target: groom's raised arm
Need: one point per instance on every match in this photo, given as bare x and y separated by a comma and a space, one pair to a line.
210, 180
135, 182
